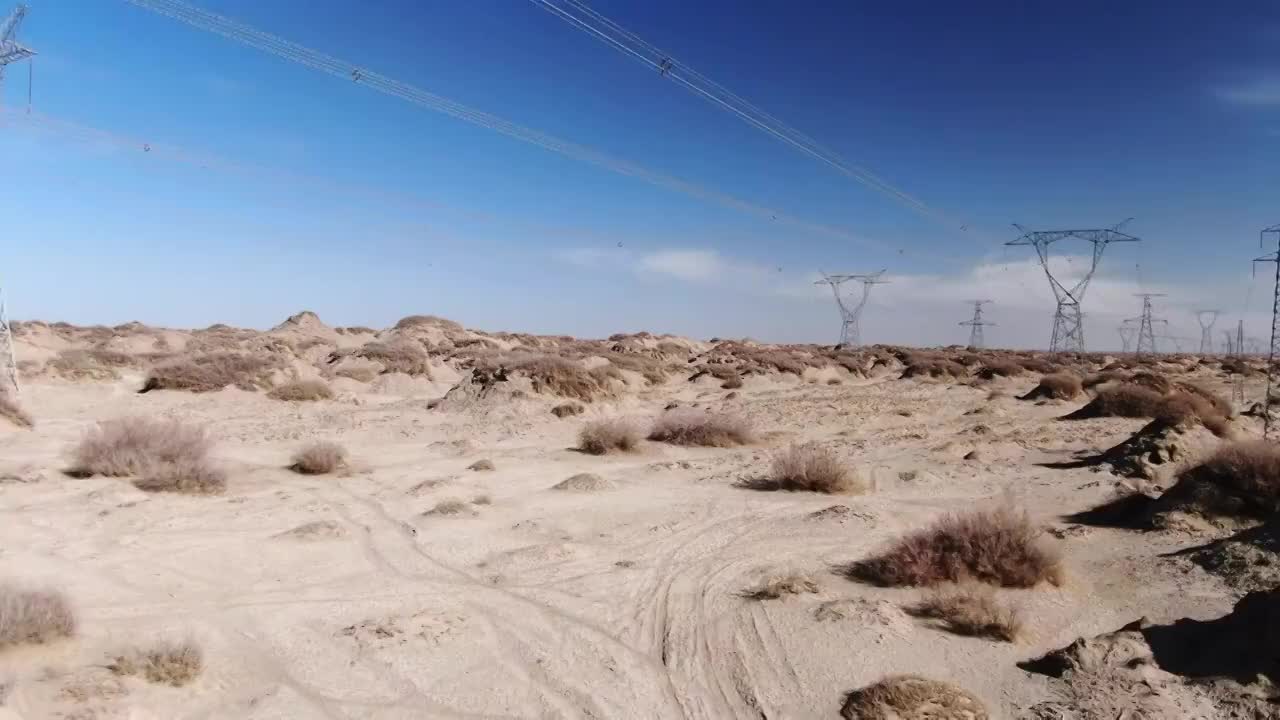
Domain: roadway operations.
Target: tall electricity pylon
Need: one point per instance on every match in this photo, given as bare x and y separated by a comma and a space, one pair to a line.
851, 317
10, 51
8, 359
976, 341
1146, 335
1272, 233
1068, 323
1206, 318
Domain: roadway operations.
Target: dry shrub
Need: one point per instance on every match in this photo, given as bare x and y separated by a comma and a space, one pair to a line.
810, 468
452, 506
970, 609
13, 412
359, 373
568, 409
1125, 400
733, 382
78, 364
301, 391
1037, 365
483, 465
1220, 405
212, 371
651, 370
1000, 368
166, 663
688, 426
604, 436
168, 455
560, 376
1000, 547
319, 458
401, 357
911, 697
934, 368
33, 616
779, 586
1102, 378
419, 320
1239, 480
1060, 386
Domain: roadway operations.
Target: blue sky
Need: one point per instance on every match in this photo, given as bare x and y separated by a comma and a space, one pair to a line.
270, 187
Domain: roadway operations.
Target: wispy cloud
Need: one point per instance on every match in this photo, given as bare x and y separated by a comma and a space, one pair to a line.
1260, 91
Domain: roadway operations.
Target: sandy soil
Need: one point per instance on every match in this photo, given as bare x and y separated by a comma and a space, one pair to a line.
345, 597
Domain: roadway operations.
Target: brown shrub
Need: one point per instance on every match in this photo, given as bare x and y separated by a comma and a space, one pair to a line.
452, 506
651, 370
190, 477
560, 376
359, 373
1220, 405
935, 368
483, 465
401, 357
994, 368
166, 663
970, 609
1101, 378
1001, 547
420, 320
1239, 480
33, 616
1124, 400
604, 436
319, 458
564, 410
212, 371
78, 364
688, 426
301, 391
140, 446
911, 697
1060, 386
13, 412
733, 382
781, 585
809, 468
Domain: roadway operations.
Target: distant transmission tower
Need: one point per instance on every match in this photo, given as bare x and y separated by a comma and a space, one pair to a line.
1146, 335
1272, 233
10, 51
851, 317
976, 341
8, 359
1207, 318
1068, 323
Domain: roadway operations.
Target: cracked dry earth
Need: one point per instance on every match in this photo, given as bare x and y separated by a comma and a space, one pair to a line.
343, 597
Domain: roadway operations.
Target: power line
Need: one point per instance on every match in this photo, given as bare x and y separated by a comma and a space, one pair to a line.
266, 42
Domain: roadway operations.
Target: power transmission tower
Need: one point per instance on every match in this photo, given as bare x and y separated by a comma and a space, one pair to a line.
851, 317
1206, 318
1274, 257
1068, 323
976, 341
1126, 331
8, 359
1146, 335
10, 51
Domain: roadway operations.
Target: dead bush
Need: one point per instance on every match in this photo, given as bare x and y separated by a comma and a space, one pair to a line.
140, 446
568, 409
1239, 480
424, 320
970, 609
934, 368
208, 372
688, 426
651, 370
567, 378
782, 585
452, 506
78, 364
809, 468
359, 373
302, 391
401, 357
1122, 400
482, 465
911, 697
1000, 368
733, 382
166, 663
10, 410
319, 458
1102, 378
1000, 547
604, 436
1059, 386
192, 478
33, 616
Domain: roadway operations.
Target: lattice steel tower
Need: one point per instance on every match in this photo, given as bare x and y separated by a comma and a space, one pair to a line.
8, 359
976, 340
1206, 318
851, 317
1068, 323
1271, 234
10, 51
1146, 334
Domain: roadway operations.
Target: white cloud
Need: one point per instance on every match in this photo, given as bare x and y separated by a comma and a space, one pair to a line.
694, 265
1260, 91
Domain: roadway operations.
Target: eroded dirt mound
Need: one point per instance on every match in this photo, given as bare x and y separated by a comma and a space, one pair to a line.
1222, 668
1249, 560
1156, 446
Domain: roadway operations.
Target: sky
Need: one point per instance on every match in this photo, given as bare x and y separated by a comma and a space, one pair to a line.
176, 177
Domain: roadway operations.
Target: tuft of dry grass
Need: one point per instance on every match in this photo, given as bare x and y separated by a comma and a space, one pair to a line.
782, 585
13, 412
483, 465
911, 697
599, 437
319, 458
689, 426
33, 616
302, 391
168, 455
1000, 547
934, 368
1059, 385
165, 663
359, 373
568, 409
452, 506
567, 378
1126, 400
401, 357
809, 468
1000, 368
207, 372
971, 609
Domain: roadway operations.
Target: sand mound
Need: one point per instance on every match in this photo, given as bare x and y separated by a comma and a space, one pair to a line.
1190, 669
1249, 560
585, 482
1151, 451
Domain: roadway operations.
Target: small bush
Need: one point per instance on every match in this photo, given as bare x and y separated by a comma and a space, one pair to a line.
783, 585
568, 409
1000, 547
452, 506
421, 320
911, 697
194, 478
1240, 479
604, 436
1126, 400
1060, 386
33, 616
567, 378
401, 357
208, 372
359, 373
934, 368
484, 465
302, 391
733, 382
971, 609
1000, 368
687, 426
319, 458
809, 468
13, 412
166, 663
136, 445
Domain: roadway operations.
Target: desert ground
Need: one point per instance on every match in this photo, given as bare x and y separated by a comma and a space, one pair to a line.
429, 521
